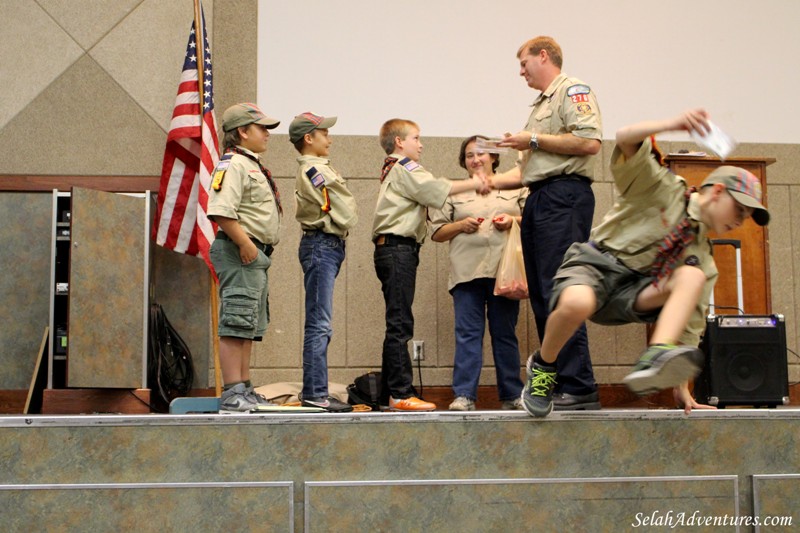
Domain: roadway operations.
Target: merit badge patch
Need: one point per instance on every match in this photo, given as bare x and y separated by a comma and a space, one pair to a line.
578, 89
409, 164
316, 177
219, 174
584, 109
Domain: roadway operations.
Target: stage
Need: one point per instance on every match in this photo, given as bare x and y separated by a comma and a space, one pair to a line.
609, 470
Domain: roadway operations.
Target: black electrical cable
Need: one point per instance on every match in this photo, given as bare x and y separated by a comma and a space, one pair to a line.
419, 373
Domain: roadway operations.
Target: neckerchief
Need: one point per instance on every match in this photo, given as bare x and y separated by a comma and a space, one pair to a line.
673, 245
388, 163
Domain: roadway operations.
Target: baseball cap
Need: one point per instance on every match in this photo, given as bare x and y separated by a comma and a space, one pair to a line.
244, 115
744, 187
306, 123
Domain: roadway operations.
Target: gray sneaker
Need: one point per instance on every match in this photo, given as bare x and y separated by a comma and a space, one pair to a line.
236, 400
537, 395
462, 403
257, 398
662, 366
512, 405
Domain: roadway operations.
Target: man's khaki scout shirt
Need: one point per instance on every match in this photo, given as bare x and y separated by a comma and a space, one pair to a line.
567, 106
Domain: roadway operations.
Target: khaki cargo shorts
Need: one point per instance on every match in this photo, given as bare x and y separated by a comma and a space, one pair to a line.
243, 291
615, 285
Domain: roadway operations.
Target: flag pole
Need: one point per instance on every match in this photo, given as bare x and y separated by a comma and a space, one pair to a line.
213, 297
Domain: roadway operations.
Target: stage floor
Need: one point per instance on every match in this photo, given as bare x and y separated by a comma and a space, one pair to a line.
608, 470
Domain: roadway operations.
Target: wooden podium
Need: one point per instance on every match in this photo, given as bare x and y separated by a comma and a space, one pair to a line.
754, 239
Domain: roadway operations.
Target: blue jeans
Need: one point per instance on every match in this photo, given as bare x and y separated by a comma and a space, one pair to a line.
396, 267
558, 213
321, 255
473, 301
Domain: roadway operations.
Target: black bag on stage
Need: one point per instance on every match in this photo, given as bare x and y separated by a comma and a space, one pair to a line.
366, 390
170, 367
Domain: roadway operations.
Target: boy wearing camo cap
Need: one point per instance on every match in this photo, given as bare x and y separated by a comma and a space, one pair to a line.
326, 211
649, 260
244, 201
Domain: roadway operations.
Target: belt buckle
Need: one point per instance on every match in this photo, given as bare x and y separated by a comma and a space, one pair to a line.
381, 240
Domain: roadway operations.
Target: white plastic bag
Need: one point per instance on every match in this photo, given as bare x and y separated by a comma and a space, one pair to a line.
510, 280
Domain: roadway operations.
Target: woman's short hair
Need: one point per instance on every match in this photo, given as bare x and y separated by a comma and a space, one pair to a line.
462, 154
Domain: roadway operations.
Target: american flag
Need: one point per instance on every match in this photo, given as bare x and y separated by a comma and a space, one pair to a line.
190, 156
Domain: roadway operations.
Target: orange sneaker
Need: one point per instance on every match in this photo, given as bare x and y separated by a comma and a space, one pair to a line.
410, 404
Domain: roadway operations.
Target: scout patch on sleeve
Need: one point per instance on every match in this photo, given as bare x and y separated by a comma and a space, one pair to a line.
584, 109
326, 200
316, 177
409, 164
219, 172
578, 89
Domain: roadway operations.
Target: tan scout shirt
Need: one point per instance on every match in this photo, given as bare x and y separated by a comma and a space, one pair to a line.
477, 255
567, 106
316, 179
245, 195
650, 203
405, 193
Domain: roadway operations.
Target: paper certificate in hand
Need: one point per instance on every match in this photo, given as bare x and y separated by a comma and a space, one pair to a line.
490, 146
716, 141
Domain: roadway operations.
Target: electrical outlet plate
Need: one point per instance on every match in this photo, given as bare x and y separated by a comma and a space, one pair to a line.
418, 350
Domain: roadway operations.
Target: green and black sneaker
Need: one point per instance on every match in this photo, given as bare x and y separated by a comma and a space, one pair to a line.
537, 395
663, 366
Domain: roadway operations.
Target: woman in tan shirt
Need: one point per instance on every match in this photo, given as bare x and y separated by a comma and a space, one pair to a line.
475, 226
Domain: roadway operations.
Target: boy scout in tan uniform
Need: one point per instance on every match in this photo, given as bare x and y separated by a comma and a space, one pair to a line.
649, 261
398, 230
244, 202
326, 211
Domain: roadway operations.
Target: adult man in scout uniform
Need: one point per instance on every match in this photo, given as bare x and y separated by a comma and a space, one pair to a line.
556, 148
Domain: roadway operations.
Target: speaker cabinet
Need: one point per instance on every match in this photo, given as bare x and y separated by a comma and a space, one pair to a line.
745, 361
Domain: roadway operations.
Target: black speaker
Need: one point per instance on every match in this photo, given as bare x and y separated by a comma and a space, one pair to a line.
745, 361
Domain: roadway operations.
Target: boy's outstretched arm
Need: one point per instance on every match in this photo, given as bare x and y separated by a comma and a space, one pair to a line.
629, 138
684, 400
